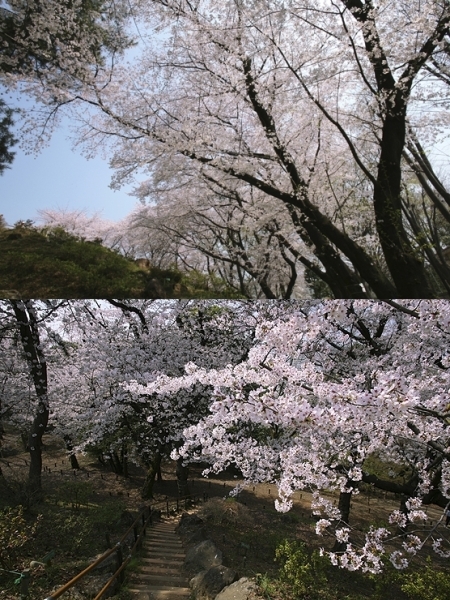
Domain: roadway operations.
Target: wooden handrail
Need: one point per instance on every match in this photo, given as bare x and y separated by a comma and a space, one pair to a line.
118, 547
105, 555
72, 582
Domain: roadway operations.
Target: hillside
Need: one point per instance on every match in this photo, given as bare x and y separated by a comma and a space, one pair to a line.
56, 264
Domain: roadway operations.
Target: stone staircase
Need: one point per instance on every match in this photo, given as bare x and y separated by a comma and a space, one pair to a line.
161, 576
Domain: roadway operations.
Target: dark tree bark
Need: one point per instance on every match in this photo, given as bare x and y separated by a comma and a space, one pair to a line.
152, 471
72, 457
29, 335
124, 459
182, 478
406, 268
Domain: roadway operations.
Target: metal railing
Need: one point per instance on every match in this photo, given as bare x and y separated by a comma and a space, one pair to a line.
138, 528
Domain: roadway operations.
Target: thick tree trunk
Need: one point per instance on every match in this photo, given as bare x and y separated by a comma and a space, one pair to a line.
29, 334
344, 506
407, 269
182, 478
152, 470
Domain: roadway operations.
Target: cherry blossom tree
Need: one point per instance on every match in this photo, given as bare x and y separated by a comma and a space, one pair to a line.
300, 394
88, 227
23, 341
320, 109
321, 392
134, 341
229, 82
229, 231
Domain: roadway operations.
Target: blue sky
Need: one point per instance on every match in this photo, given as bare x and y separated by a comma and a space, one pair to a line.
60, 178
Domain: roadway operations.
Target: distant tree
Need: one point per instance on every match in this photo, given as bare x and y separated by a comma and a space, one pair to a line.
7, 139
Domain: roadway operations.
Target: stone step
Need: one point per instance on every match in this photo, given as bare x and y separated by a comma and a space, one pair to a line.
162, 534
151, 560
161, 575
163, 579
151, 549
162, 541
146, 593
148, 570
163, 553
160, 588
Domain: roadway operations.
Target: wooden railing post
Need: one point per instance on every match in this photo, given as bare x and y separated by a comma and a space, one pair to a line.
119, 555
25, 579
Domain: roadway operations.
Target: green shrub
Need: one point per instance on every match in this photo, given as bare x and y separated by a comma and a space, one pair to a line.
73, 533
303, 571
426, 584
76, 493
15, 533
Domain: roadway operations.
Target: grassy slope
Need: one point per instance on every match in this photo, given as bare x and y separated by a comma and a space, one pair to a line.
58, 265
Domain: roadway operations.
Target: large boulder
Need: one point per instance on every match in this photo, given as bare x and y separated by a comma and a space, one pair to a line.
208, 583
188, 524
243, 589
202, 557
191, 529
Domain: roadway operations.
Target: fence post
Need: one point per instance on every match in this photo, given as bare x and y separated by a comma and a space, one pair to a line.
119, 554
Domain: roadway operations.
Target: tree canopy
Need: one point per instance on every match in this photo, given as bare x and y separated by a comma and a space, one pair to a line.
305, 395
293, 136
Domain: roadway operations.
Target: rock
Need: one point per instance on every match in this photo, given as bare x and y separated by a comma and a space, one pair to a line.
243, 589
126, 519
202, 556
72, 594
109, 565
92, 585
196, 538
191, 530
208, 583
188, 523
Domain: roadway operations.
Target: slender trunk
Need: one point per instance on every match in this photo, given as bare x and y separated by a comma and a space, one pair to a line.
152, 470
124, 458
72, 457
115, 463
29, 334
